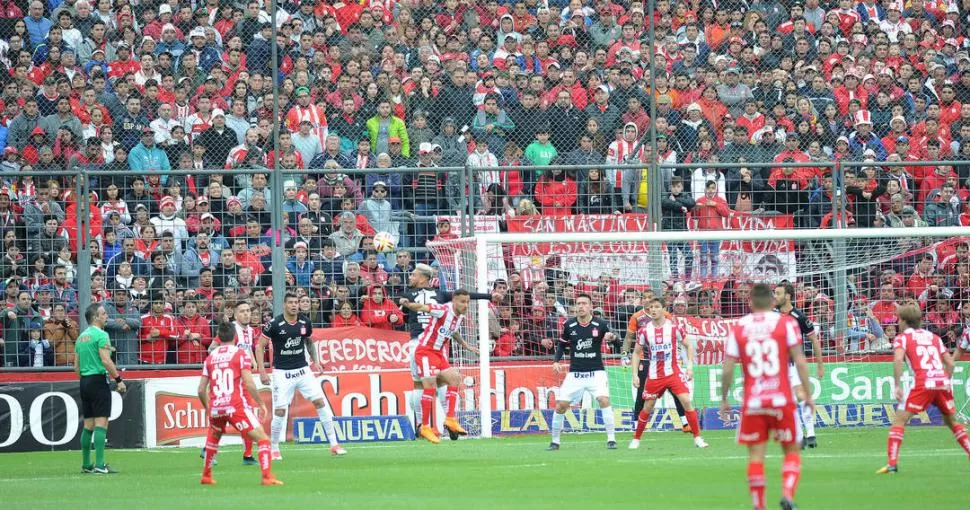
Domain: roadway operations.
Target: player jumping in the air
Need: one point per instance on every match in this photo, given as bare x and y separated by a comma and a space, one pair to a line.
932, 368
584, 336
226, 389
431, 357
661, 339
421, 293
289, 334
784, 302
637, 321
764, 342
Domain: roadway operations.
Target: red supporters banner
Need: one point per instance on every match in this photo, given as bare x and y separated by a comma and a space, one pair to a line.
360, 348
763, 260
709, 335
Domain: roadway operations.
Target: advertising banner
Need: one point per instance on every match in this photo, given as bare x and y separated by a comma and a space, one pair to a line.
354, 429
360, 348
831, 415
47, 417
843, 383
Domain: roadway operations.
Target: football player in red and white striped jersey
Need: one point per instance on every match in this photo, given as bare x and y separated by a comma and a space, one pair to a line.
431, 357
932, 368
660, 340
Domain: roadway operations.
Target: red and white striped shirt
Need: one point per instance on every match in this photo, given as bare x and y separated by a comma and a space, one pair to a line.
437, 334
660, 346
246, 337
924, 355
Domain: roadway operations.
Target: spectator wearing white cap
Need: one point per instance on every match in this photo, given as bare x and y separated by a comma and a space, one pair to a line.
863, 138
168, 221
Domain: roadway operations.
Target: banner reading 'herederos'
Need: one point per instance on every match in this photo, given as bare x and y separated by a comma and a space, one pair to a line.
360, 348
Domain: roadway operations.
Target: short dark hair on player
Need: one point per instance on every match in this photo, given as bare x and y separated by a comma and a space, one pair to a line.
460, 292
91, 312
226, 332
789, 289
911, 314
658, 299
584, 295
761, 297
289, 295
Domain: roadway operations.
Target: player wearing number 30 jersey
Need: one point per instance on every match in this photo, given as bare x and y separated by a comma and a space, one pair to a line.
225, 390
763, 342
932, 369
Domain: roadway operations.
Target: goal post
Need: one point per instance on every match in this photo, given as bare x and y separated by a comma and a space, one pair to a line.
842, 280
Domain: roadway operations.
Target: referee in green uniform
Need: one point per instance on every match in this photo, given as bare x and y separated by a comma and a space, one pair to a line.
93, 349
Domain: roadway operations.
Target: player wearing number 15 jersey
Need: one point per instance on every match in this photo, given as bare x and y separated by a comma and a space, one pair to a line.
763, 342
932, 369
658, 342
225, 390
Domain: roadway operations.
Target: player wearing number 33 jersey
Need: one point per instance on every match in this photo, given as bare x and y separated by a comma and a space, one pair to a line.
932, 369
763, 343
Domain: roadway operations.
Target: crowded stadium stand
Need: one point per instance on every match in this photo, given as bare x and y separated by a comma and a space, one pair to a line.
172, 159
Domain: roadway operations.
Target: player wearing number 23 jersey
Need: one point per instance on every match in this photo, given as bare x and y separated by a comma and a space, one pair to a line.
932, 369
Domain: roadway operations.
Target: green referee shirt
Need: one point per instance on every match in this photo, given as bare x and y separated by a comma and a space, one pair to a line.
87, 345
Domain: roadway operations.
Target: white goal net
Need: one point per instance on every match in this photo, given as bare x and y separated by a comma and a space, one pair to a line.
848, 282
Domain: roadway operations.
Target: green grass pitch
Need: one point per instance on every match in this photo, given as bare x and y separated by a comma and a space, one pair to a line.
667, 472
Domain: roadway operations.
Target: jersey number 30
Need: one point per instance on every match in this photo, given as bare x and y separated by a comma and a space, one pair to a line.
764, 358
222, 382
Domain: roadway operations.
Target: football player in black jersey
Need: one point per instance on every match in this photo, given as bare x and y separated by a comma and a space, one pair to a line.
289, 333
583, 336
784, 303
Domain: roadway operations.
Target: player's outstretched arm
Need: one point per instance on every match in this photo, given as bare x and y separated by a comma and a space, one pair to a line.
414, 307
948, 364
801, 366
456, 336
260, 367
817, 350
637, 355
899, 358
204, 391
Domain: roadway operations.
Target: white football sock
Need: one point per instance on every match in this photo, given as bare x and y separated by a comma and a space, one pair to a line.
799, 421
558, 421
415, 398
808, 418
276, 430
326, 418
609, 420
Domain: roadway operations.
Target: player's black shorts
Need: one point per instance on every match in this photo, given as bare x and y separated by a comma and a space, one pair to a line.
95, 396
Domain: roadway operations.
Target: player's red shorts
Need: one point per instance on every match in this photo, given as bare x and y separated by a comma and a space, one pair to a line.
430, 363
759, 426
656, 387
920, 398
242, 419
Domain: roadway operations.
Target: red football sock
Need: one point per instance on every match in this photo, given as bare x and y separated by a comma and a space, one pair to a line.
265, 458
452, 400
695, 428
211, 448
427, 403
791, 471
247, 446
756, 484
960, 433
641, 424
895, 441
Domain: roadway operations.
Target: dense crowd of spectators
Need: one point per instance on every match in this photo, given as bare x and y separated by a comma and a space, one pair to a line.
140, 89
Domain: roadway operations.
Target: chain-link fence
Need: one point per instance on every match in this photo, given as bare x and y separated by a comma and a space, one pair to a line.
159, 131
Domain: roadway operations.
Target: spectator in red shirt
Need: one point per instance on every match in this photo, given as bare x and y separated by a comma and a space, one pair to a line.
921, 277
556, 191
194, 334
710, 213
344, 316
158, 329
378, 312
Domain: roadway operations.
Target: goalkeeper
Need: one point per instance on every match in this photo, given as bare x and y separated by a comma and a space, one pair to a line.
639, 319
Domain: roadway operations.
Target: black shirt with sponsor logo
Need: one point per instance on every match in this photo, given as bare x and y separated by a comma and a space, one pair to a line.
585, 343
805, 327
290, 341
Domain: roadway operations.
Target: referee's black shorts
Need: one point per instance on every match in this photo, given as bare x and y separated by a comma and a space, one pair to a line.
95, 396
